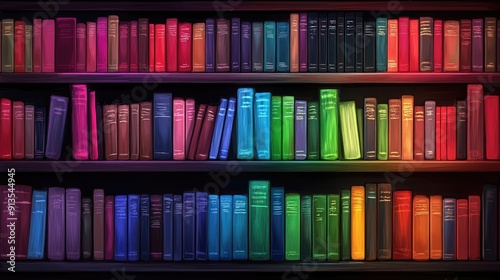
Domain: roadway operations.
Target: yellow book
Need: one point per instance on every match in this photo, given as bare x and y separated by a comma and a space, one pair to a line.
407, 127
199, 47
358, 223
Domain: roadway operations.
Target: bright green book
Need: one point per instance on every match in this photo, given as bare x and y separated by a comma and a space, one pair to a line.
382, 132
359, 121
349, 127
276, 129
319, 241
312, 130
292, 226
259, 228
345, 224
305, 228
329, 124
333, 234
288, 147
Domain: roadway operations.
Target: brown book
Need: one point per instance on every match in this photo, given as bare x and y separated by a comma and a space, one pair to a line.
490, 47
18, 130
199, 47
134, 131
123, 132
407, 127
143, 45
146, 131
420, 240
200, 116
451, 48
465, 45
206, 134
294, 42
110, 132
113, 38
419, 140
29, 132
98, 226
436, 227
394, 128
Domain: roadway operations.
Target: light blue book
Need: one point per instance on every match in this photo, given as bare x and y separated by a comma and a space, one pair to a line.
36, 244
240, 227
226, 227
262, 115
213, 227
228, 129
269, 46
381, 44
283, 47
134, 227
217, 134
245, 124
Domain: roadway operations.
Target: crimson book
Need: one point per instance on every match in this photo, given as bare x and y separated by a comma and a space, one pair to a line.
414, 45
402, 229
203, 147
65, 48
451, 133
172, 41
159, 42
465, 45
404, 44
462, 229
5, 128
474, 227
438, 45
492, 126
475, 123
200, 116
19, 45
185, 47
18, 130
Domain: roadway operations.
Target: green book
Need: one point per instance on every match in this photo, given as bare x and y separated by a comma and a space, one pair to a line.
292, 226
312, 131
7, 45
288, 128
319, 241
345, 224
329, 124
276, 129
28, 41
349, 128
382, 132
259, 228
333, 234
305, 228
359, 121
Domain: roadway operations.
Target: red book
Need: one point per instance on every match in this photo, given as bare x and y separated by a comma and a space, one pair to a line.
102, 44
172, 44
462, 229
37, 45
159, 61
185, 45
134, 47
401, 229
91, 47
190, 119
438, 45
492, 126
81, 47
465, 45
5, 128
444, 126
48, 45
109, 228
205, 139
19, 52
123, 51
474, 227
419, 137
94, 144
79, 122
23, 202
414, 45
438, 133
451, 133
200, 116
404, 44
151, 47
179, 129
18, 130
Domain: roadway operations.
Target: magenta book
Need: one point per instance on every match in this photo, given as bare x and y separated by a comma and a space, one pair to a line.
48, 45
102, 44
179, 129
91, 46
109, 229
123, 47
81, 47
94, 145
65, 45
79, 122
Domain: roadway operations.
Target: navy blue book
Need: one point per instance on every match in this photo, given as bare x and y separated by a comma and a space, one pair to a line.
332, 42
210, 45
369, 47
226, 227
145, 250
227, 131
188, 226
40, 124
257, 47
240, 227
277, 223
201, 226
283, 47
490, 218
381, 44
340, 41
213, 227
162, 132
168, 227
262, 115
178, 208
121, 230
449, 229
246, 46
245, 121
269, 46
323, 42
360, 45
235, 45
350, 42
134, 229
38, 221
217, 134
312, 42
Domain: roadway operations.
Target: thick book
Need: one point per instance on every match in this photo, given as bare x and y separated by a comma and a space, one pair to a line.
392, 45
162, 149
420, 233
155, 224
303, 38
79, 121
227, 130
430, 130
262, 128
475, 122
407, 127
350, 42
313, 126
8, 31
395, 115
73, 223
179, 129
56, 126
319, 227
38, 225
370, 128
213, 222
329, 125
490, 44
222, 45
257, 47
436, 227
226, 228
300, 130
110, 131
489, 222
246, 46
384, 220
98, 224
188, 226
259, 220
65, 47
245, 120
345, 224
102, 44
277, 213
145, 231
235, 45
201, 226
270, 46
371, 221
185, 47
402, 221
312, 42
203, 147
492, 127
86, 234
172, 51
282, 47
349, 130
292, 226
168, 227
240, 228
133, 227
449, 229
159, 48
294, 42
109, 229
56, 224
305, 227
426, 54
121, 230
358, 223
465, 45
451, 46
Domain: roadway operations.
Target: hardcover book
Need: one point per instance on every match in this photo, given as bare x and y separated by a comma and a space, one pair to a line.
262, 131
56, 126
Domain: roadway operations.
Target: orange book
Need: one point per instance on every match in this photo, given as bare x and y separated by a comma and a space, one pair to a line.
407, 127
294, 42
451, 46
392, 45
199, 47
420, 236
357, 223
436, 227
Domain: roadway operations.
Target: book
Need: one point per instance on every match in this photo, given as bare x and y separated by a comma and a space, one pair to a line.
145, 230
38, 224
102, 45
109, 229
277, 228
133, 227
155, 229
185, 47
226, 228
188, 226
235, 45
56, 126
451, 45
402, 220
110, 131
303, 38
449, 229
178, 209
382, 131
86, 235
489, 222
199, 45
392, 45
407, 127
490, 44
384, 218
276, 127
172, 52
370, 128
113, 43
426, 54
168, 227
56, 224
294, 42
218, 129
201, 226
349, 130
98, 224
213, 232
29, 132
381, 40
313, 124
332, 42
227, 130
475, 122
371, 195
419, 133
420, 234
329, 125
305, 227
300, 130
288, 127
270, 37
465, 45
345, 224
73, 217
240, 227
403, 44
259, 220
283, 47
257, 47
395, 129
357, 223
123, 46
319, 227
162, 132
245, 125
292, 226
121, 229
492, 126
222, 46
350, 41
262, 128
430, 130
203, 147
312, 42
436, 227
246, 46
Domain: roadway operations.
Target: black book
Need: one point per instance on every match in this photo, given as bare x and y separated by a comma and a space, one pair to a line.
370, 47
87, 228
312, 42
100, 131
332, 42
360, 46
461, 130
340, 41
323, 42
350, 42
370, 128
426, 44
371, 222
384, 221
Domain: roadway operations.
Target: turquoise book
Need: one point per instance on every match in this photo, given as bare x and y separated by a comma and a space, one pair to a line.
259, 231
381, 44
283, 47
240, 227
226, 228
36, 244
269, 46
276, 127
213, 227
244, 116
262, 131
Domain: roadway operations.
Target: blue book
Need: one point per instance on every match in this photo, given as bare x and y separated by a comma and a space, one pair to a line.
201, 226
235, 45
257, 47
145, 250
245, 123
246, 46
168, 227
300, 129
36, 243
56, 126
283, 47
277, 223
332, 42
188, 226
228, 128
262, 131
178, 208
217, 134
213, 227
226, 227
162, 132
240, 227
350, 42
210, 45
39, 132
269, 46
489, 222
121, 228
449, 229
312, 42
133, 225
381, 44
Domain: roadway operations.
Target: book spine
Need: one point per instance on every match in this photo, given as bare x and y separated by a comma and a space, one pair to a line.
491, 127
123, 132
403, 44
56, 126
277, 251
414, 46
475, 122
80, 122
133, 46
294, 42
490, 44
419, 133
206, 133
145, 134
188, 227
287, 145
292, 226
178, 227
303, 42
179, 129
155, 224
40, 125
333, 222
184, 60
319, 241
345, 226
259, 214
152, 47
370, 128
109, 229
449, 229
29, 132
73, 223
240, 227
102, 44
245, 119
305, 227
329, 126
28, 47
462, 218
350, 42
143, 45
438, 132
283, 47
358, 241
113, 43
81, 47
451, 133
19, 46
436, 227
98, 224
200, 116
56, 224
370, 47
218, 126
226, 227
38, 225
37, 45
18, 121
426, 44
402, 220
430, 130
210, 45
134, 131
276, 127
381, 44
474, 230
300, 130
392, 45
262, 115
213, 222
162, 149
395, 129
322, 42
235, 45
384, 220
91, 62
465, 45
313, 42
8, 31
246, 46
257, 47
222, 46
438, 45
172, 29
168, 227
111, 131
227, 130
313, 125
451, 46
477, 45
134, 227
420, 234
360, 44
382, 131
121, 230
332, 42
159, 48
86, 228
201, 226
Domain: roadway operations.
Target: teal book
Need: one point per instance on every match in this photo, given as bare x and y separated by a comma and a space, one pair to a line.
244, 115
259, 231
305, 228
262, 132
381, 44
349, 128
382, 132
312, 130
359, 121
292, 227
345, 225
333, 232
319, 241
36, 243
213, 227
226, 228
283, 47
276, 127
288, 148
240, 227
269, 46
329, 124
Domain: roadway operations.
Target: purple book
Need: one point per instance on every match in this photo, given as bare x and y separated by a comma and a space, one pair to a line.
300, 129
235, 45
246, 47
65, 45
477, 45
102, 44
430, 130
210, 45
57, 123
56, 227
303, 42
73, 218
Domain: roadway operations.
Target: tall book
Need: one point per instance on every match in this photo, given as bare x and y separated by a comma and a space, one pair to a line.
270, 46
392, 45
276, 127
438, 45
56, 224
322, 42
145, 230
159, 41
86, 234
449, 229
133, 46
451, 46
371, 221
370, 128
56, 126
333, 226
475, 122
65, 47
329, 126
201, 226
226, 227
240, 227
436, 227
162, 149
462, 207
300, 130
222, 46
381, 44
245, 125
420, 234
262, 130
133, 227
79, 121
489, 223
185, 47
292, 227
124, 46
395, 129
246, 46
426, 44
155, 228
407, 131
259, 223
402, 221
305, 227
188, 226
461, 127
294, 42
38, 225
477, 42
403, 44
257, 47
319, 227
102, 45
332, 42
213, 231
235, 45
350, 42
172, 52
492, 126
288, 126
490, 44
143, 46
73, 223
370, 49
384, 218
113, 43
357, 223
277, 209
121, 230
313, 124
98, 224
168, 227
345, 225
303, 40
465, 45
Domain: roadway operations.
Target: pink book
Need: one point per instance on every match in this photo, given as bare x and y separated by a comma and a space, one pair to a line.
37, 45
94, 145
171, 56
91, 46
134, 47
179, 129
404, 46
123, 51
109, 229
438, 45
79, 122
81, 47
48, 45
151, 47
102, 44
185, 46
190, 118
